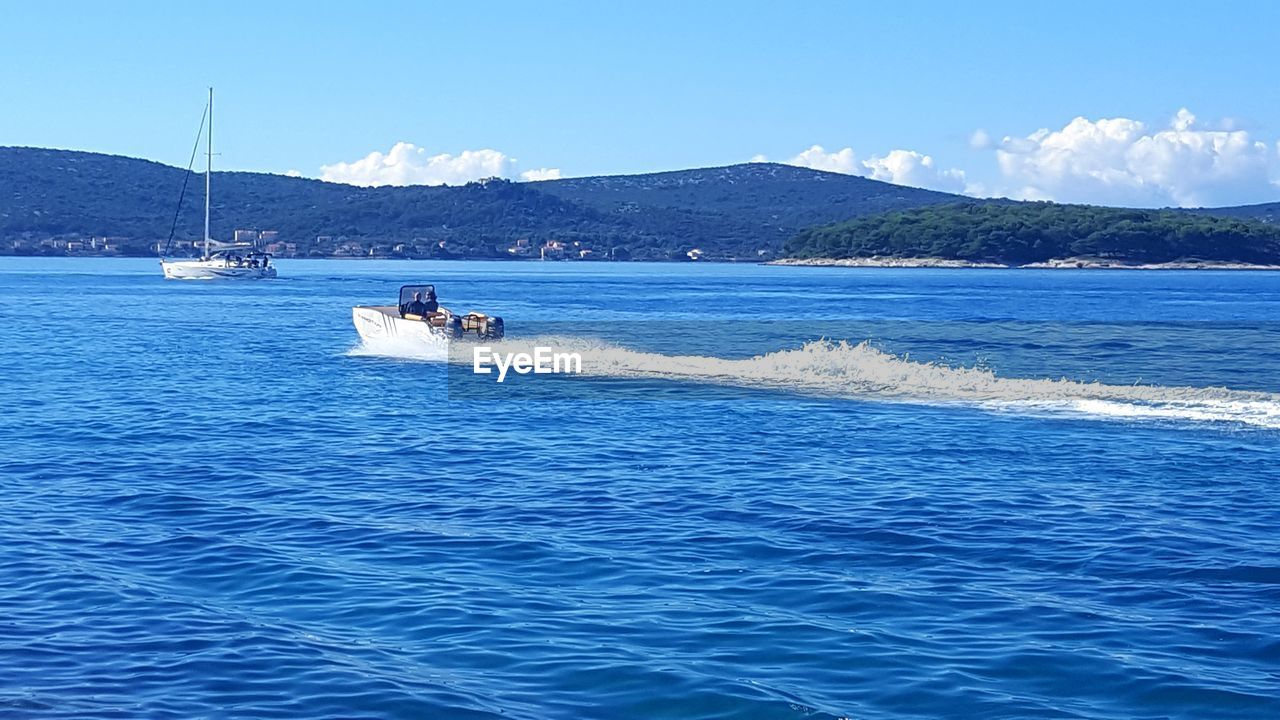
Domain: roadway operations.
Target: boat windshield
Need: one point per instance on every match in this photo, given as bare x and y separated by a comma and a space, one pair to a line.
409, 293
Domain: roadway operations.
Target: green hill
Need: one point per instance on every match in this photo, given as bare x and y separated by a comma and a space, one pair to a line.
736, 211
49, 198
751, 206
1036, 232
1265, 212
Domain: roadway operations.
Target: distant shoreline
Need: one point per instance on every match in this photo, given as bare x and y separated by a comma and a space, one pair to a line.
1056, 264
867, 262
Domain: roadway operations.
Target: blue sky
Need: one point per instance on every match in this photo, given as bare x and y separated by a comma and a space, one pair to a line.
597, 88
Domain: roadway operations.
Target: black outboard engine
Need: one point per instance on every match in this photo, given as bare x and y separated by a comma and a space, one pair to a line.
494, 329
454, 327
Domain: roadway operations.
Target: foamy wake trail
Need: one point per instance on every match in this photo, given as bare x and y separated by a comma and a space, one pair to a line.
842, 369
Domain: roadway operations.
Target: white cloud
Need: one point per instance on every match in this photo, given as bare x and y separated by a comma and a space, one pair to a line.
1183, 120
901, 167
408, 164
908, 167
292, 173
840, 161
540, 174
1119, 161
980, 140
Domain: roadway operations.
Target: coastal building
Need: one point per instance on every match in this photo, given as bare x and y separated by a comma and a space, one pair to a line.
349, 249
111, 244
177, 247
552, 250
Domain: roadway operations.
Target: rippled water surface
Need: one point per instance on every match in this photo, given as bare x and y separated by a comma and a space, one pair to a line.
1031, 494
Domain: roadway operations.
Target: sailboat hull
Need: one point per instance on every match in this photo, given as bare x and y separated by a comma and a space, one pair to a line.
213, 270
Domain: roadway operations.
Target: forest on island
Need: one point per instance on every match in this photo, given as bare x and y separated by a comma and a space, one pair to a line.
1035, 232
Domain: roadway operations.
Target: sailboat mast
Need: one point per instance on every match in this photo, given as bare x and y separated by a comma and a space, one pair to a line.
208, 170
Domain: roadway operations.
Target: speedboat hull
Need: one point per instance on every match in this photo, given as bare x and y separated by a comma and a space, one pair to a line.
213, 270
385, 323
420, 318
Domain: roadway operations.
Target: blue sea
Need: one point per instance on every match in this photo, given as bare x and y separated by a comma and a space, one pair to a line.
778, 493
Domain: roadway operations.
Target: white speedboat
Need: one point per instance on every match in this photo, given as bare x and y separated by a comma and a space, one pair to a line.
419, 316
219, 261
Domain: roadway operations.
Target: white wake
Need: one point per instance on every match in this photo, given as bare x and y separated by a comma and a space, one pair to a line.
862, 371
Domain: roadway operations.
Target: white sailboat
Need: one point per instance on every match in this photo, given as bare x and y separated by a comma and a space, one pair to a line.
220, 261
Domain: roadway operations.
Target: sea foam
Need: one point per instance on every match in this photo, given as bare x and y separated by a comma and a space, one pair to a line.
862, 371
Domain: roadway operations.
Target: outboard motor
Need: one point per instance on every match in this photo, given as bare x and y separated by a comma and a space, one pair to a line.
493, 329
454, 327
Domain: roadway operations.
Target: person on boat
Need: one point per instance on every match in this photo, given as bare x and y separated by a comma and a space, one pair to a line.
430, 303
416, 306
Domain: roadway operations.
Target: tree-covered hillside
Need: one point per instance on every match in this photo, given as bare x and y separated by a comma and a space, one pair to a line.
50, 200
55, 193
764, 201
737, 211
1265, 212
1036, 232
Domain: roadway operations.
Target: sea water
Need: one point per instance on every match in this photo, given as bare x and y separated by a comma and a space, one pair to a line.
773, 492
